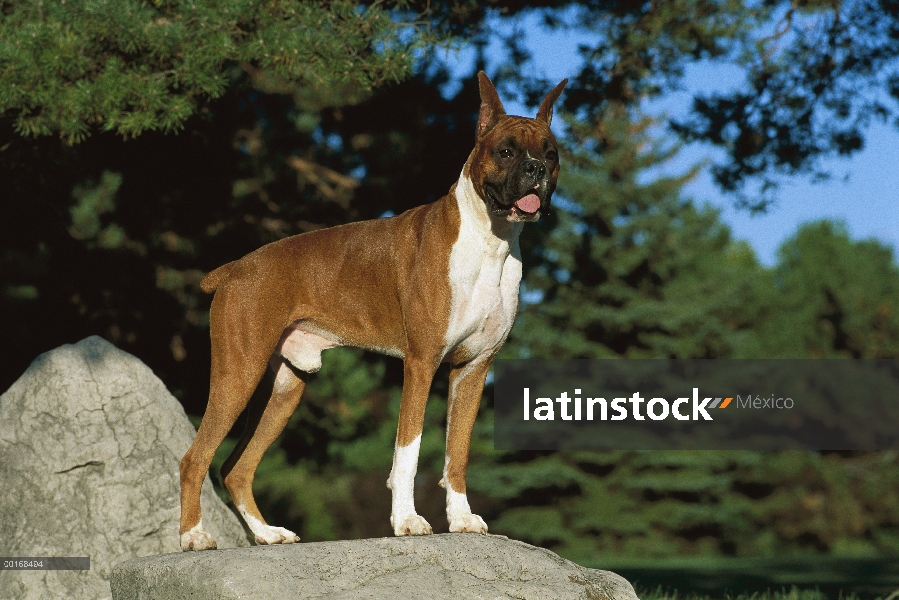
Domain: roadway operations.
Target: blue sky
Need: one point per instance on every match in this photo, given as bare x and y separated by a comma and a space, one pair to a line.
863, 190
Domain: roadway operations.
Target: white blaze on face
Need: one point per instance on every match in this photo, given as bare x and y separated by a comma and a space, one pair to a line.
402, 481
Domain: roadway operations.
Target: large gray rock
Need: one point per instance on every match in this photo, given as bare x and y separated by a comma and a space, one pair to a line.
90, 441
452, 566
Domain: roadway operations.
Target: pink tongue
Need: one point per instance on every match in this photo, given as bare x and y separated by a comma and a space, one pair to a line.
529, 204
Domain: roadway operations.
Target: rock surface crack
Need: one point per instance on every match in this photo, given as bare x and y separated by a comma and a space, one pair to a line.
90, 463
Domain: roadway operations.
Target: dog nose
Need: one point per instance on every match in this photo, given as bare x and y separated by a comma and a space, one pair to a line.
534, 168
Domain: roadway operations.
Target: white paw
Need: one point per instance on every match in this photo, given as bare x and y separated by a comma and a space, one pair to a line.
412, 525
197, 539
467, 523
267, 535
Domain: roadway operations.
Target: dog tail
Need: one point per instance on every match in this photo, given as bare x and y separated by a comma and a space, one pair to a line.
214, 278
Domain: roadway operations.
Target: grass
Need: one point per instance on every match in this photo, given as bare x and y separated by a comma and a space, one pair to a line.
793, 593
787, 578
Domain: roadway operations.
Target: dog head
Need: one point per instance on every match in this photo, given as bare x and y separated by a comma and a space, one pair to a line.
515, 162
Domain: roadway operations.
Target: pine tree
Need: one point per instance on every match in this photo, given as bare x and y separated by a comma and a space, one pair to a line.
133, 66
835, 298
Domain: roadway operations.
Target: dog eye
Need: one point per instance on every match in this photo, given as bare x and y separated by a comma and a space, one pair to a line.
506, 153
552, 155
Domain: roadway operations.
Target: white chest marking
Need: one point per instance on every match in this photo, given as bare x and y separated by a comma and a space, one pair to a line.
484, 273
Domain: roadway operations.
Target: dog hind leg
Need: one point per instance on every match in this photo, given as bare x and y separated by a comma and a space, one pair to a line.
217, 422
239, 359
265, 424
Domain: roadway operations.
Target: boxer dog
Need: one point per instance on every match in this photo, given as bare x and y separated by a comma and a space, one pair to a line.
438, 283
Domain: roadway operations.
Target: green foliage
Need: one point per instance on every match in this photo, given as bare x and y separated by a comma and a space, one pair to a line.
815, 74
131, 66
791, 593
92, 202
595, 506
810, 577
835, 297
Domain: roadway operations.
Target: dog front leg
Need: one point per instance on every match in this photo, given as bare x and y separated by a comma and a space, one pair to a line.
417, 377
466, 389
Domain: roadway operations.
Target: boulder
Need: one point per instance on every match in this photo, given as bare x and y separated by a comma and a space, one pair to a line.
90, 441
451, 566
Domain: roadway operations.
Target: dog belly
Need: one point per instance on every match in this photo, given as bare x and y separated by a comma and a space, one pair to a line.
303, 348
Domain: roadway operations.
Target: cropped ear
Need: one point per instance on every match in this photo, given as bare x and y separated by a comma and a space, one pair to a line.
491, 107
546, 108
